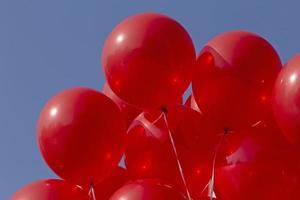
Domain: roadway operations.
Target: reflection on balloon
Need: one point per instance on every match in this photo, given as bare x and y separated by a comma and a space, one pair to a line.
81, 135
191, 103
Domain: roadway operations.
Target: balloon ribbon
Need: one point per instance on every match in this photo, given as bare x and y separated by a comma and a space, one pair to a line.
92, 192
176, 155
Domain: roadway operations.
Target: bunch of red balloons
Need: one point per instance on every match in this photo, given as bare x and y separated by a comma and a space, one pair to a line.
236, 137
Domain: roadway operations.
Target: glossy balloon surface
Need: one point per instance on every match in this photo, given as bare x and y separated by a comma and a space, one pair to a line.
112, 183
149, 152
128, 111
235, 74
151, 189
148, 60
81, 135
50, 190
286, 100
257, 164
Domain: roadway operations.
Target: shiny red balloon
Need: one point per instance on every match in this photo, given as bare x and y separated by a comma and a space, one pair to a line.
128, 111
50, 190
286, 100
148, 60
112, 183
149, 153
234, 78
256, 164
150, 189
81, 135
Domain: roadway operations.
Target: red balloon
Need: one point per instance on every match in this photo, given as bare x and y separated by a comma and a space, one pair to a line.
148, 60
256, 164
112, 183
191, 103
128, 111
81, 135
50, 190
149, 153
234, 78
151, 189
286, 100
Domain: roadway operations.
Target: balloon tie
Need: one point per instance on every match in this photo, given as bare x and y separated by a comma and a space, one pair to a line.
211, 184
176, 155
92, 192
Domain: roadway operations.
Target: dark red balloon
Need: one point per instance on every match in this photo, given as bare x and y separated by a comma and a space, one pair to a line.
257, 164
148, 60
286, 100
234, 78
128, 111
112, 183
81, 135
50, 190
149, 153
151, 189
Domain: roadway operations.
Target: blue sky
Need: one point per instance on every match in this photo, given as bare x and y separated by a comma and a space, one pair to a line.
47, 46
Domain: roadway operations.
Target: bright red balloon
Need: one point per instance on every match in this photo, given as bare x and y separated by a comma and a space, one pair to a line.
148, 60
128, 111
150, 189
257, 164
81, 135
234, 78
50, 190
149, 153
112, 183
286, 100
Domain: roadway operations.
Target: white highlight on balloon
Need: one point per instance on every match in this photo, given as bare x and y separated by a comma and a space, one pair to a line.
293, 78
120, 38
53, 112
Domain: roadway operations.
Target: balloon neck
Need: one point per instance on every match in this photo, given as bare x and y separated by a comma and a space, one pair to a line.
164, 110
92, 184
226, 131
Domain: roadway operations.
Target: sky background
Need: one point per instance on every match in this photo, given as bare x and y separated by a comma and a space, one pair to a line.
48, 46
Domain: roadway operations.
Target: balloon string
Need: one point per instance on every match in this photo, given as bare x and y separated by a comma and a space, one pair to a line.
92, 192
176, 155
211, 183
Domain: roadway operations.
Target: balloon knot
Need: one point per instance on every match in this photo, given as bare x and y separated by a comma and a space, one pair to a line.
226, 131
164, 110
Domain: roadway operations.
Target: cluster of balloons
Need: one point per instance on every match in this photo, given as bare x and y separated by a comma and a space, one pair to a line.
236, 137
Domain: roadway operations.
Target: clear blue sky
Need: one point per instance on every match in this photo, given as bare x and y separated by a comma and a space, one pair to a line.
47, 46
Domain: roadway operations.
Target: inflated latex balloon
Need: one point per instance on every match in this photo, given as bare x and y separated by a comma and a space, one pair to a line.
149, 153
81, 135
235, 74
148, 60
112, 183
128, 111
256, 164
286, 100
150, 189
51, 189
191, 103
